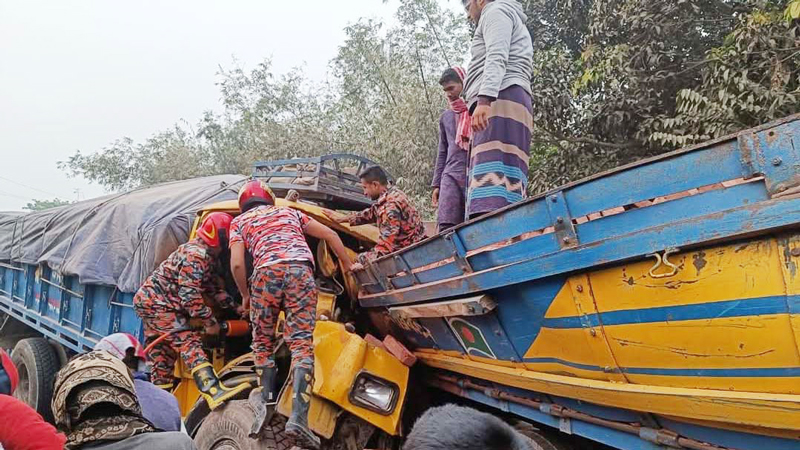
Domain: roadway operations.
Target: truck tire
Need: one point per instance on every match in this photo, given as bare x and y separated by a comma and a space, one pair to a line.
37, 365
541, 440
351, 433
227, 428
60, 352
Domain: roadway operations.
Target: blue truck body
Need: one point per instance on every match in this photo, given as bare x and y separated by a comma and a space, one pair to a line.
60, 308
642, 307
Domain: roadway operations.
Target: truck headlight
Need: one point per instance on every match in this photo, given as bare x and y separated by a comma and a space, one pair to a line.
375, 394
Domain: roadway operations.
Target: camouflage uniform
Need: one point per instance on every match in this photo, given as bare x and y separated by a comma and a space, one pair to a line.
170, 297
398, 222
283, 278
291, 287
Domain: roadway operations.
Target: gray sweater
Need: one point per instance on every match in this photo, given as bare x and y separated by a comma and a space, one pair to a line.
502, 51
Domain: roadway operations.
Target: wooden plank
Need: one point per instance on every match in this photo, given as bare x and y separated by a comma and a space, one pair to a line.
429, 252
470, 306
340, 174
283, 162
685, 208
713, 162
282, 174
628, 222
712, 165
536, 247
745, 220
523, 218
438, 273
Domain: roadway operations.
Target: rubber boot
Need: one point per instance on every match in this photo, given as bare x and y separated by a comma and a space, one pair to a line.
211, 388
297, 426
264, 398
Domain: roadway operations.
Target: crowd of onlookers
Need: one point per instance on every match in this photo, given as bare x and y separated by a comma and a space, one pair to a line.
101, 400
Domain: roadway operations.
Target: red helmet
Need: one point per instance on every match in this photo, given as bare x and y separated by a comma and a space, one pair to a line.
255, 192
214, 229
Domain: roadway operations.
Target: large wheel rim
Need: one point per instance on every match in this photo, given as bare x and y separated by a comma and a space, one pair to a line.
23, 391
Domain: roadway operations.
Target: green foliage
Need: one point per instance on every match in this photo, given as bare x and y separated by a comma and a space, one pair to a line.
754, 77
619, 80
38, 205
792, 11
614, 81
382, 101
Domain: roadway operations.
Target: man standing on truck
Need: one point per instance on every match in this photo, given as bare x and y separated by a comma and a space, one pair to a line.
283, 278
455, 133
173, 295
498, 92
398, 221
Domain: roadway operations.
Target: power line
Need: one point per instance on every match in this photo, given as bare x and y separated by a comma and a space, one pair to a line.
8, 194
29, 187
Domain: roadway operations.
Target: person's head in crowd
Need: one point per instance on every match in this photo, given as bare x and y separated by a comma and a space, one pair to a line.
9, 377
95, 402
125, 347
374, 182
452, 82
475, 8
158, 405
453, 427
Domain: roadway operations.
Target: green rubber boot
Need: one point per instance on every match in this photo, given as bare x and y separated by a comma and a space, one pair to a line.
211, 388
264, 398
297, 426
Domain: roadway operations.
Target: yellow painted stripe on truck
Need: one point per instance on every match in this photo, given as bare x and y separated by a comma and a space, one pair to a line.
778, 411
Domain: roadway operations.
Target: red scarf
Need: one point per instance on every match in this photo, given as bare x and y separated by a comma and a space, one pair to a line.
464, 122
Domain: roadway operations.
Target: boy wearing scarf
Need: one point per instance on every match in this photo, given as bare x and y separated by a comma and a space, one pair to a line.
455, 132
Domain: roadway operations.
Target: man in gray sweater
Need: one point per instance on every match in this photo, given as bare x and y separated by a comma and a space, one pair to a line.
498, 92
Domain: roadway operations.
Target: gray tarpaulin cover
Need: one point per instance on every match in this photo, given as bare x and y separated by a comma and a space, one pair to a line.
116, 240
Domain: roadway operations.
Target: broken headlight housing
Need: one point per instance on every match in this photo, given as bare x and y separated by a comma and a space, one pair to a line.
374, 393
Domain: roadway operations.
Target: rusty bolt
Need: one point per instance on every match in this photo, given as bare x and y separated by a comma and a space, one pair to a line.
593, 332
777, 161
796, 252
579, 288
553, 198
560, 219
566, 240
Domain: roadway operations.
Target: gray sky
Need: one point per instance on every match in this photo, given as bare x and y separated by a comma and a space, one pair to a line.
76, 75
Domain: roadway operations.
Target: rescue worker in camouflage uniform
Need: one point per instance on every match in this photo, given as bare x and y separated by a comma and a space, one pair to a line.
283, 278
173, 295
399, 223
